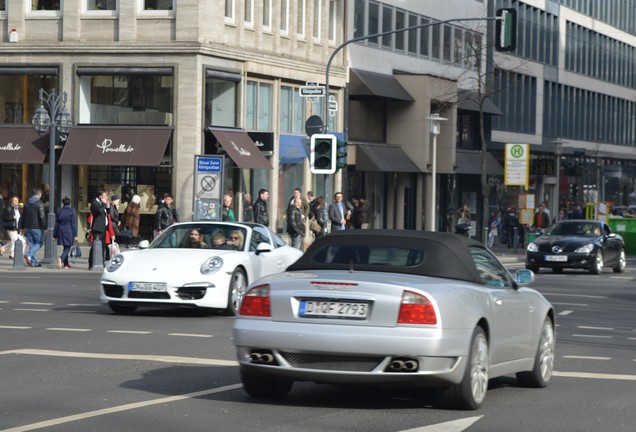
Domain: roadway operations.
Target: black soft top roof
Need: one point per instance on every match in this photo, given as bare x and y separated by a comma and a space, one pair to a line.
446, 255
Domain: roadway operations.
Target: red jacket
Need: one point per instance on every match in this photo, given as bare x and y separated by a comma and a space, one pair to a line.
110, 233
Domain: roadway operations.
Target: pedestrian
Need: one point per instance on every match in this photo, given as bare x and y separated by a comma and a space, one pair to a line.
261, 215
33, 224
493, 228
511, 225
113, 210
362, 217
304, 208
338, 213
248, 210
319, 212
166, 215
11, 223
100, 226
228, 213
295, 224
130, 221
65, 231
541, 219
463, 220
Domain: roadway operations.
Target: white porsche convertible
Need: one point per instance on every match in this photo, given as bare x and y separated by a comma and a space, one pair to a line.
194, 264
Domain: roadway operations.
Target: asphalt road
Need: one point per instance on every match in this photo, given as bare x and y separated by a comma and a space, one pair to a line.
68, 364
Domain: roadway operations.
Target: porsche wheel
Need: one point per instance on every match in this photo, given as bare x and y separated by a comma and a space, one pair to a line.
620, 266
540, 375
470, 393
122, 310
238, 285
597, 266
265, 387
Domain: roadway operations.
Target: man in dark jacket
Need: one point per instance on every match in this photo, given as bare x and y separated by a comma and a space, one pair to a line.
260, 208
295, 224
33, 225
166, 215
99, 223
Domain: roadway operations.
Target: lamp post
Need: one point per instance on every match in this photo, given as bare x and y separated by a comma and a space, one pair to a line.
435, 120
59, 120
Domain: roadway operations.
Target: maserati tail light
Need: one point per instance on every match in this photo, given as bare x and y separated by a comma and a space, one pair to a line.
256, 302
416, 309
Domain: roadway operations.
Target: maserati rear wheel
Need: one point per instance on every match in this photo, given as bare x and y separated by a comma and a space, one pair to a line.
540, 375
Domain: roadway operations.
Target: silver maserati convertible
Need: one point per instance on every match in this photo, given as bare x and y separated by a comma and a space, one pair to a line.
395, 308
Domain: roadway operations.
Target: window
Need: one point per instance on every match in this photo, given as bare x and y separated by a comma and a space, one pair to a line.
109, 98
248, 15
258, 106
45, 5
400, 23
292, 111
101, 5
317, 19
19, 93
387, 25
284, 16
374, 21
220, 99
3, 6
358, 19
229, 10
333, 15
492, 273
158, 5
300, 18
267, 15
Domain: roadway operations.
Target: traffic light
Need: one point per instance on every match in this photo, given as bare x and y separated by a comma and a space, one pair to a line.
341, 155
323, 154
506, 30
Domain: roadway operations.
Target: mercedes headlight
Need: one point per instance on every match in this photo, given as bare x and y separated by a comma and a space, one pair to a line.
532, 247
212, 265
115, 263
587, 249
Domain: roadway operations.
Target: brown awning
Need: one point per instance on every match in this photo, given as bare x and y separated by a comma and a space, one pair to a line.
240, 148
383, 157
22, 144
116, 145
469, 162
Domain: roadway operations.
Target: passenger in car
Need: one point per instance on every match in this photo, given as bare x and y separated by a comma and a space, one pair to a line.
237, 239
218, 242
195, 239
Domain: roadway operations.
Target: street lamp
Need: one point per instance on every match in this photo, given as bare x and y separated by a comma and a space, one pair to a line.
59, 120
435, 120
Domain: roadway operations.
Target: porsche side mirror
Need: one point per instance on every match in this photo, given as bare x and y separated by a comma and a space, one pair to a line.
524, 277
263, 247
143, 244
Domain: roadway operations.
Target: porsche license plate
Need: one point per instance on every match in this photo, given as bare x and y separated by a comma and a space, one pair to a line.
333, 309
556, 258
147, 286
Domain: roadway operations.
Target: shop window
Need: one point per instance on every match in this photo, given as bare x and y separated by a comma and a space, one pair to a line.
258, 106
125, 98
292, 111
468, 130
19, 95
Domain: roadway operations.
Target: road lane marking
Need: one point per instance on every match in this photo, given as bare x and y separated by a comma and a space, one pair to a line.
36, 304
190, 335
68, 329
84, 304
593, 336
129, 331
121, 408
589, 375
31, 310
451, 426
565, 312
16, 327
596, 328
570, 304
575, 295
162, 359
586, 357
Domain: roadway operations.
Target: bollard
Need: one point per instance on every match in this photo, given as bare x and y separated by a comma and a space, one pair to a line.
97, 253
18, 254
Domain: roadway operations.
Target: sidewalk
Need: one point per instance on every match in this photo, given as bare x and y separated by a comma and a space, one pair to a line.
81, 265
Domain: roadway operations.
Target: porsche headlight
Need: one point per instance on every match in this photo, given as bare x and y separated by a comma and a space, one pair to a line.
587, 249
532, 247
212, 265
115, 263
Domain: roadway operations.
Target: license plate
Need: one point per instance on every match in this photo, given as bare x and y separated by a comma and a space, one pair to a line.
147, 286
556, 258
333, 309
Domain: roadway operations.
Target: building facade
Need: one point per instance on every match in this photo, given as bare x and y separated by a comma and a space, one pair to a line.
152, 83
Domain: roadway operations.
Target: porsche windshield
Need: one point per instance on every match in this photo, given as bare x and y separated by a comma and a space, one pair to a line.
202, 236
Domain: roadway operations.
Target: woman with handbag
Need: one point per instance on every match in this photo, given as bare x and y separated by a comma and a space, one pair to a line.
11, 223
65, 231
130, 222
318, 218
